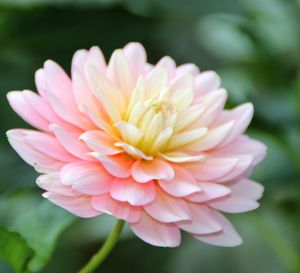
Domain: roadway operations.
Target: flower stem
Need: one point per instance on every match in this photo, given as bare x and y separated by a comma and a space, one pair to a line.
104, 251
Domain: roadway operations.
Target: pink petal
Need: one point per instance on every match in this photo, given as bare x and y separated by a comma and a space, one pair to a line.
136, 194
213, 104
80, 206
117, 165
183, 183
206, 82
241, 116
95, 58
203, 221
82, 92
41, 105
209, 191
100, 142
25, 110
71, 143
121, 210
40, 82
234, 204
247, 188
168, 209
144, 171
245, 145
212, 168
87, 178
47, 144
59, 94
244, 163
179, 157
119, 72
40, 161
51, 182
136, 56
212, 139
167, 63
100, 119
228, 237
187, 68
156, 233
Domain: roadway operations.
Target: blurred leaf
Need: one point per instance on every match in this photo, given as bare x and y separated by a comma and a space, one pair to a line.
223, 36
276, 107
29, 3
275, 23
238, 84
14, 250
39, 222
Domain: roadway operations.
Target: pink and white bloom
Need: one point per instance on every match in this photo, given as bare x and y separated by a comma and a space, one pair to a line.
150, 144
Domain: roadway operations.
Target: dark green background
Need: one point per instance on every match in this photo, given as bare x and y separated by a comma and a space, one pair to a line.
253, 44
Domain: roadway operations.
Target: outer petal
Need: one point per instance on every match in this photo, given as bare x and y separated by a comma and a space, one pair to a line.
169, 64
40, 161
241, 116
119, 72
144, 171
24, 109
71, 143
117, 165
244, 164
80, 206
206, 81
228, 237
136, 194
183, 183
156, 233
136, 56
247, 146
203, 220
213, 104
234, 204
42, 106
46, 144
59, 94
209, 191
247, 188
121, 210
50, 182
86, 178
168, 209
187, 68
212, 168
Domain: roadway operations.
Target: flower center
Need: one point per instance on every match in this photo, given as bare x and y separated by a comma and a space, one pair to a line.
153, 120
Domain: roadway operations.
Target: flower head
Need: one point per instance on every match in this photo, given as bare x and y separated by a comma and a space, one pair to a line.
150, 144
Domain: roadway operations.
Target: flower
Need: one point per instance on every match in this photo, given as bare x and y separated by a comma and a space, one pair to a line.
149, 144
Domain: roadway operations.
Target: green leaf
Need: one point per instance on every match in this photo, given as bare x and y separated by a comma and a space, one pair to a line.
38, 222
223, 36
14, 250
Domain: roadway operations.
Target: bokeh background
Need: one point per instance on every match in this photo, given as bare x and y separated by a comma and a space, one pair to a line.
253, 44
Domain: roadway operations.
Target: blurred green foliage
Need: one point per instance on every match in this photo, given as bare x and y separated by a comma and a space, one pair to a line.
253, 44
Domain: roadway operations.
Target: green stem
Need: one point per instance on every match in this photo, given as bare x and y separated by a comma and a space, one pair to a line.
104, 251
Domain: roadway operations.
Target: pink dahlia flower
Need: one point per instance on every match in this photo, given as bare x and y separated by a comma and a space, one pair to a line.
149, 144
